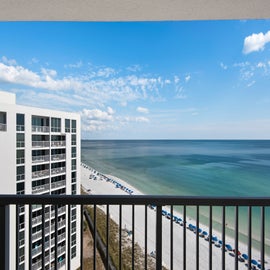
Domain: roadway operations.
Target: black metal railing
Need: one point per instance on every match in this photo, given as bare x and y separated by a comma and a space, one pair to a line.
147, 206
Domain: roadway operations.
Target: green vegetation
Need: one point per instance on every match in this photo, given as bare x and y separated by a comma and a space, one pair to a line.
114, 243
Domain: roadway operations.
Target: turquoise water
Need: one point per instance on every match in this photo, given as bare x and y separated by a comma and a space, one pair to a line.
189, 167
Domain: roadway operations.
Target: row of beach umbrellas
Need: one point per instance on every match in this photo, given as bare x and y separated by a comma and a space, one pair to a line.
218, 243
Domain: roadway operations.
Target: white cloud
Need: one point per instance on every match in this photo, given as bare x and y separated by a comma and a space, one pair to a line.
251, 83
256, 42
176, 79
33, 61
142, 119
142, 110
48, 72
134, 68
187, 78
261, 65
76, 65
180, 93
223, 66
7, 61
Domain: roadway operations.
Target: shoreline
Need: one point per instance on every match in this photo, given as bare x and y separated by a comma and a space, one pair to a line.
109, 184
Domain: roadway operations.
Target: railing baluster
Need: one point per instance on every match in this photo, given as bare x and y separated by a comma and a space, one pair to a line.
171, 238
249, 236
223, 237
95, 237
210, 235
236, 236
81, 255
69, 238
145, 238
17, 237
184, 237
107, 236
120, 236
133, 235
43, 236
30, 236
55, 236
197, 239
159, 238
262, 236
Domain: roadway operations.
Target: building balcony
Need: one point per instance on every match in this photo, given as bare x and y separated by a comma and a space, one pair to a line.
40, 159
58, 184
59, 170
58, 144
176, 232
40, 129
41, 188
58, 157
40, 144
40, 174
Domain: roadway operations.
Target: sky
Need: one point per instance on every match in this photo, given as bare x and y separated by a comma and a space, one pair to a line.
144, 80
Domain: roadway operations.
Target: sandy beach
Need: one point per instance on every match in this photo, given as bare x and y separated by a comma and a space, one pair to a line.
95, 182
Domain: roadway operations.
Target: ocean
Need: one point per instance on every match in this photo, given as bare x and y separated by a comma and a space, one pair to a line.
190, 168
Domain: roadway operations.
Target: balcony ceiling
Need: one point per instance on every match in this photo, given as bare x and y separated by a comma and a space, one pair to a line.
132, 10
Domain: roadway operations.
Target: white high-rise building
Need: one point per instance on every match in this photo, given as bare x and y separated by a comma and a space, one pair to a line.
39, 154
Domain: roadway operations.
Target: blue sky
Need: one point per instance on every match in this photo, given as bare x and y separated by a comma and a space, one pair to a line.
144, 80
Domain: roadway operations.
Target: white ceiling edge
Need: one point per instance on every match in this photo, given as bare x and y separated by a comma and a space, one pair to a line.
132, 10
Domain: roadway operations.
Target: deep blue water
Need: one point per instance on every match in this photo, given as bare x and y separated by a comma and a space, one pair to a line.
187, 167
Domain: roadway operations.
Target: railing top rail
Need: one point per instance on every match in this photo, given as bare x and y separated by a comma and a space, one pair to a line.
134, 200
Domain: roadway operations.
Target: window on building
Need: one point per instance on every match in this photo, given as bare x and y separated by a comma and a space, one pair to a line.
73, 177
40, 124
55, 125
73, 126
67, 125
73, 240
73, 214
73, 227
20, 188
73, 164
21, 238
73, 189
20, 139
20, 173
73, 252
20, 122
73, 139
21, 254
3, 121
73, 152
20, 156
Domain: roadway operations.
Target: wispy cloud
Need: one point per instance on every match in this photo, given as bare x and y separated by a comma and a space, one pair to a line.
142, 110
7, 61
101, 85
79, 64
223, 66
256, 42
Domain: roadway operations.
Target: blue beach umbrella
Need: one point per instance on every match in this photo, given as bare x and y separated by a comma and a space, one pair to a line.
229, 247
214, 238
245, 256
205, 233
254, 262
220, 242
